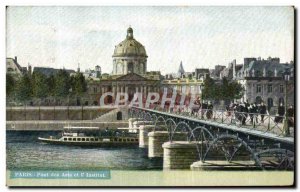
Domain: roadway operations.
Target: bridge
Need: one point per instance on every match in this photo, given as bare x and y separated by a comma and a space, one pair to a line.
212, 139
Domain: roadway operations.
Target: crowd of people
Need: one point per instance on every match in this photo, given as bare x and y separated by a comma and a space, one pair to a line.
243, 112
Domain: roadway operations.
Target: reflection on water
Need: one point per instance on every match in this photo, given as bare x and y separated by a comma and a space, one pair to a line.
24, 151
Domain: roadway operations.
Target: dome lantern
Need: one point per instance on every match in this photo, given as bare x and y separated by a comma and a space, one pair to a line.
129, 33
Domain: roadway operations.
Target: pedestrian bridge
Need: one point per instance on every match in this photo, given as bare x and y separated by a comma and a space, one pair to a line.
219, 132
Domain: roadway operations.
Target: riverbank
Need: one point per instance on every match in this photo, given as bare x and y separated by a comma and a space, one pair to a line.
58, 125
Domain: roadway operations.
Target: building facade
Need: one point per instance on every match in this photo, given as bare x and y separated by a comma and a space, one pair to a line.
129, 73
263, 81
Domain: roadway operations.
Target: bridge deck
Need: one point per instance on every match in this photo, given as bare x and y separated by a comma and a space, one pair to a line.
259, 133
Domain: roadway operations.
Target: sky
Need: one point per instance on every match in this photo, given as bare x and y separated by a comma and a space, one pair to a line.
200, 37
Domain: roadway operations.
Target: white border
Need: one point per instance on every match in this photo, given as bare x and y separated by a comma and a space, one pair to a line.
4, 3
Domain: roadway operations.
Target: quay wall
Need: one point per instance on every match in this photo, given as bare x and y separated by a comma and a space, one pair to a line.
54, 113
58, 125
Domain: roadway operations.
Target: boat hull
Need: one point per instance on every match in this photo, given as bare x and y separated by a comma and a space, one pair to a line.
89, 143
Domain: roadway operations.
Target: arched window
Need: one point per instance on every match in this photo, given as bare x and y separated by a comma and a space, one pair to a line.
130, 68
281, 100
119, 115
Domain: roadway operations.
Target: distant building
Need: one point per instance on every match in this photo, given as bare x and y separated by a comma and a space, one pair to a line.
201, 73
94, 74
263, 81
14, 68
181, 71
215, 73
230, 72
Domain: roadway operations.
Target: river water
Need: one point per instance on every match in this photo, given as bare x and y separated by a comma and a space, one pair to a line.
25, 152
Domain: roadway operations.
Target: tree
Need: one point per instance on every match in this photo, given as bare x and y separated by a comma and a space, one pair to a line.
235, 90
62, 83
225, 91
79, 85
40, 85
10, 85
51, 85
209, 89
24, 88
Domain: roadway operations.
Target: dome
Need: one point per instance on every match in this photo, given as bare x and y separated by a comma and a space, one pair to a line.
129, 47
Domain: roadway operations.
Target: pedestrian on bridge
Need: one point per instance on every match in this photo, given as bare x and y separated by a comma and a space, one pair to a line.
203, 109
244, 113
281, 112
290, 114
209, 112
262, 111
255, 111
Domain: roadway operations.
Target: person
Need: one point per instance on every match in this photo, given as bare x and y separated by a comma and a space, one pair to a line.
290, 115
254, 111
250, 109
209, 112
203, 110
244, 113
262, 111
281, 111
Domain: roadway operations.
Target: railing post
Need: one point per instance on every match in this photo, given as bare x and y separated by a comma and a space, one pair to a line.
222, 113
269, 121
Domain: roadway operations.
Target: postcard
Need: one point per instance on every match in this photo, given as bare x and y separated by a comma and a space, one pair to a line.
150, 96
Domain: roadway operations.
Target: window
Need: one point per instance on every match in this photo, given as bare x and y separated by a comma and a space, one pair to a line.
87, 139
96, 139
65, 139
69, 139
74, 139
258, 88
78, 139
270, 88
92, 139
281, 88
83, 139
95, 89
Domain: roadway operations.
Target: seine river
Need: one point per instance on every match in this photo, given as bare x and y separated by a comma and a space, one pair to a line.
25, 152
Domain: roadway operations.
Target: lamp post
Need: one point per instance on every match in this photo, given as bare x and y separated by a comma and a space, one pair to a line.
286, 78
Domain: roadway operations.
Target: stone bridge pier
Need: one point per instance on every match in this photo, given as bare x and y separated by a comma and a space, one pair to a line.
143, 135
156, 139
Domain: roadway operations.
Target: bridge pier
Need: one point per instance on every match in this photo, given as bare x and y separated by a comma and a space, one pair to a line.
156, 140
143, 135
223, 165
179, 154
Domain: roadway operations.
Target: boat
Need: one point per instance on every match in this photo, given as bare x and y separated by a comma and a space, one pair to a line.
91, 136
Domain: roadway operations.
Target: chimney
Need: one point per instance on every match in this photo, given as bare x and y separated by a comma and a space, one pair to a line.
233, 70
264, 72
16, 59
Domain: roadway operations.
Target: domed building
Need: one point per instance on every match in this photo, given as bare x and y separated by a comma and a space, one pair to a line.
129, 56
129, 73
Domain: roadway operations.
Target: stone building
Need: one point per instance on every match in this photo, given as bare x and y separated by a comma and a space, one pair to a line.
129, 73
14, 68
263, 81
